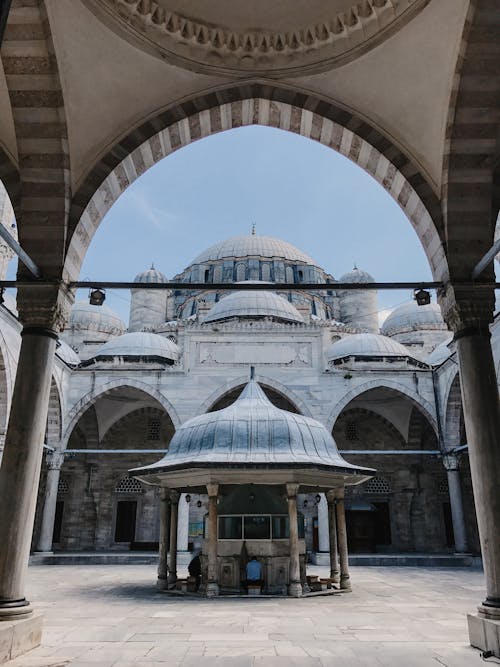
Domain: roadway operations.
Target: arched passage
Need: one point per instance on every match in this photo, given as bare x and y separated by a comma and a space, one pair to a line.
248, 105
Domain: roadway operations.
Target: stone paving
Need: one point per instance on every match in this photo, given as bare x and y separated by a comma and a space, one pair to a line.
109, 616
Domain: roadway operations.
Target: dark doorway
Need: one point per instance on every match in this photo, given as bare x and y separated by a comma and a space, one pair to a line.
382, 520
315, 535
448, 525
58, 521
126, 512
360, 531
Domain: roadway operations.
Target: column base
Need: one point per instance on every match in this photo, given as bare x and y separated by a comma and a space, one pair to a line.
295, 589
484, 629
212, 589
12, 610
335, 576
162, 583
345, 584
20, 636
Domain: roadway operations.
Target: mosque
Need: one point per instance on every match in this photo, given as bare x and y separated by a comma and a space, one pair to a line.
389, 396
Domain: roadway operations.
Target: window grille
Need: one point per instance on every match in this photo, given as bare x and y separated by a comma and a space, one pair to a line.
154, 428
351, 431
128, 485
63, 486
377, 485
443, 486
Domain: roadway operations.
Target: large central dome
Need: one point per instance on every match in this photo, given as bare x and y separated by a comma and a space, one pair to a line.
254, 246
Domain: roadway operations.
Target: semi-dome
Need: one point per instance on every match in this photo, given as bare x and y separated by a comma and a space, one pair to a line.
410, 316
151, 275
252, 431
139, 344
254, 246
366, 345
440, 353
67, 354
85, 317
254, 303
356, 276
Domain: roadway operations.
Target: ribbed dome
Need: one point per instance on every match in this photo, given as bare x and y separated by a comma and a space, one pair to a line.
440, 353
151, 275
85, 317
410, 316
254, 246
366, 345
67, 354
139, 344
251, 430
356, 276
254, 304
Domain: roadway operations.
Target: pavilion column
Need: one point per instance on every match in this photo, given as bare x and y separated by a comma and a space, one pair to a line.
164, 540
174, 513
450, 462
183, 524
295, 585
323, 531
332, 523
55, 460
212, 588
345, 582
21, 462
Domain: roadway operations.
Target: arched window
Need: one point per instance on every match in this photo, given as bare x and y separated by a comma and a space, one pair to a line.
379, 485
128, 485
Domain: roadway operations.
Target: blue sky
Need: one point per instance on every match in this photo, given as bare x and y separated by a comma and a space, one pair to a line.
290, 187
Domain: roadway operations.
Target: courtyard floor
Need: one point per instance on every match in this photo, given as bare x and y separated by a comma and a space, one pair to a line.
110, 616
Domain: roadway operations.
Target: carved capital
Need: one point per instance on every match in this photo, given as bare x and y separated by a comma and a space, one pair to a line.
44, 306
291, 490
212, 489
174, 497
466, 308
451, 462
55, 460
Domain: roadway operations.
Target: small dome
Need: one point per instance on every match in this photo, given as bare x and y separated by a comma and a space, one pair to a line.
151, 275
67, 354
356, 276
253, 303
85, 317
254, 246
441, 353
139, 344
410, 316
366, 345
252, 431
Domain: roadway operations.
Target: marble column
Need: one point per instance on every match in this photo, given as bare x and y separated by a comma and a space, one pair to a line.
212, 588
295, 585
345, 582
450, 462
164, 540
174, 512
55, 460
183, 525
332, 523
21, 462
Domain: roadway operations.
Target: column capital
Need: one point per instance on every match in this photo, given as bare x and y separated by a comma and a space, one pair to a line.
55, 460
164, 494
174, 497
331, 496
292, 489
465, 309
44, 306
213, 489
450, 462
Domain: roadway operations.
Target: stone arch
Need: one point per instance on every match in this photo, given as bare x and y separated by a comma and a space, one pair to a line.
255, 104
421, 404
453, 417
241, 381
93, 396
351, 412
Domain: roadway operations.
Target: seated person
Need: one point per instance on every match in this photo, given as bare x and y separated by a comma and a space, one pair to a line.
254, 572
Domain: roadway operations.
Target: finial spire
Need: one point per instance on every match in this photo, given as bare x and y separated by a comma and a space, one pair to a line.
252, 372
152, 266
253, 229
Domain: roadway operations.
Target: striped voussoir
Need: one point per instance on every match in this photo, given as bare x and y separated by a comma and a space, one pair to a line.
36, 98
472, 150
255, 104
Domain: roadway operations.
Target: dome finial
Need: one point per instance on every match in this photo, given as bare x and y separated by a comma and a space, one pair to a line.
355, 267
253, 229
152, 266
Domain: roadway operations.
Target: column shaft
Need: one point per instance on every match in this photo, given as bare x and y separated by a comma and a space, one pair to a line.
183, 524
332, 523
345, 581
482, 423
54, 463
295, 585
456, 502
20, 469
212, 583
164, 539
174, 510
323, 532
